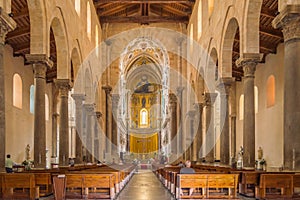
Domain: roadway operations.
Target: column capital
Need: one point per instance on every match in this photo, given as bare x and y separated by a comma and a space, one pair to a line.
210, 98
289, 21
224, 84
107, 89
179, 90
78, 98
7, 24
191, 113
180, 40
64, 86
89, 108
55, 115
36, 59
248, 62
172, 98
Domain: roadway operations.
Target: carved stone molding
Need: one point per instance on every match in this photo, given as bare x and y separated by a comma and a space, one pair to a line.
107, 89
64, 86
7, 24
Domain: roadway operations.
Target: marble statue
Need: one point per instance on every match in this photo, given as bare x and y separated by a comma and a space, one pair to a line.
27, 152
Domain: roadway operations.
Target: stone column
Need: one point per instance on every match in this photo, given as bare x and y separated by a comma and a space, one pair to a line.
40, 63
224, 88
7, 24
233, 137
180, 135
78, 98
289, 21
64, 86
54, 135
99, 135
108, 117
249, 61
210, 140
115, 102
192, 135
90, 115
198, 141
173, 122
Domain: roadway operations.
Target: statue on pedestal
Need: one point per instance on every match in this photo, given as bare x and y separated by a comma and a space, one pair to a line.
260, 162
27, 152
239, 163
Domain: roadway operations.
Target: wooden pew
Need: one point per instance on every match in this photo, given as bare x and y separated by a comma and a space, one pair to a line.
275, 186
20, 186
296, 185
43, 180
249, 181
90, 185
228, 182
209, 185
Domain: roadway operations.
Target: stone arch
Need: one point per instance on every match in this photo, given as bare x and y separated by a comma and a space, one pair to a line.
38, 28
88, 85
250, 32
62, 51
211, 63
227, 46
76, 60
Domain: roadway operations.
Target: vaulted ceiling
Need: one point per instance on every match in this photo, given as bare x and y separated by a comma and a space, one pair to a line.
143, 12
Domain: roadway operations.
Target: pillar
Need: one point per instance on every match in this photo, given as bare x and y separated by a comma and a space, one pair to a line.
64, 86
192, 134
40, 64
248, 62
54, 136
233, 138
181, 135
99, 137
173, 122
7, 24
108, 117
289, 21
198, 141
90, 115
210, 141
78, 98
224, 88
115, 102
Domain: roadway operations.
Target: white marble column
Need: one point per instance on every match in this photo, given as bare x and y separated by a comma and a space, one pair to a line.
64, 87
40, 64
78, 98
248, 62
289, 21
210, 140
7, 24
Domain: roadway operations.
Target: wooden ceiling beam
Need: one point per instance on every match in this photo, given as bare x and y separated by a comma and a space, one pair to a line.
23, 13
270, 32
172, 10
112, 11
18, 32
99, 2
266, 12
144, 19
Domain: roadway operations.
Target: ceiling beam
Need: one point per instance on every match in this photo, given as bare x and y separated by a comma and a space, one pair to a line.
18, 32
172, 9
97, 2
23, 13
271, 32
268, 12
144, 19
112, 11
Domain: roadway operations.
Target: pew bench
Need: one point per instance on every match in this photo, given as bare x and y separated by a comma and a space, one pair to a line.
296, 186
208, 185
19, 186
90, 186
275, 186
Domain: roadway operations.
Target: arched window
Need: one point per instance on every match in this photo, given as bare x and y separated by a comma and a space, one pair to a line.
88, 20
256, 99
31, 105
191, 37
199, 19
144, 117
17, 91
210, 7
77, 6
241, 107
96, 40
271, 91
46, 107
